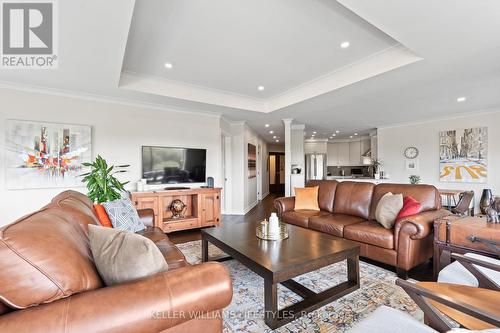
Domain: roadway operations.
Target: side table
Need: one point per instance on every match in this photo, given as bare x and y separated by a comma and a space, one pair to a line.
454, 234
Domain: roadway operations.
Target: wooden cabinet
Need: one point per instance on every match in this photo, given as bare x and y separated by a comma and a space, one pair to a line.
210, 210
147, 203
202, 207
344, 150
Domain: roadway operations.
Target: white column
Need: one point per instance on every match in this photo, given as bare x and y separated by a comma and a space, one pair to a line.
288, 155
297, 156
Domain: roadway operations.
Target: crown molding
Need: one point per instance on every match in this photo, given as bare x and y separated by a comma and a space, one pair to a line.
460, 115
380, 62
100, 98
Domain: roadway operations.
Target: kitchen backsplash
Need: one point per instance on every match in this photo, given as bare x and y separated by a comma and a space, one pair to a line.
362, 171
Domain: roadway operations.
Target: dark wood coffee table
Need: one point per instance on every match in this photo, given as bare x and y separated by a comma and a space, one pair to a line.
280, 261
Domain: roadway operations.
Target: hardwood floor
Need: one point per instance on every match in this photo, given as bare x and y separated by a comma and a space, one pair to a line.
262, 211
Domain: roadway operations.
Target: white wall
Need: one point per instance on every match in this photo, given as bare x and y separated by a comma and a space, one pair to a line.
244, 191
425, 136
118, 131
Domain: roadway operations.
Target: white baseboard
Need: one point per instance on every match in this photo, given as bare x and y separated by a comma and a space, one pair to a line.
265, 195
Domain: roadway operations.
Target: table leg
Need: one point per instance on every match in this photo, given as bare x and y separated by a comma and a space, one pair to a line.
271, 303
204, 250
353, 269
436, 261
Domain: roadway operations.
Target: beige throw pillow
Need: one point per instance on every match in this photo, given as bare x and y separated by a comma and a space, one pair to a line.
306, 198
388, 209
121, 256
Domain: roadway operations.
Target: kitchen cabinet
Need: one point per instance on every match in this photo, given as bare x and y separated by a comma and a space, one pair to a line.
344, 151
333, 154
355, 153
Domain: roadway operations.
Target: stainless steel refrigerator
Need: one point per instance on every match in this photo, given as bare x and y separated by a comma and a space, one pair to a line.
315, 166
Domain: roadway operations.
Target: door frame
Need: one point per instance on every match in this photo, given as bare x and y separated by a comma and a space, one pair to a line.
275, 188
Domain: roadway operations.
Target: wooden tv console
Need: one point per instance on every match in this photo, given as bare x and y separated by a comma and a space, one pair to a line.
202, 207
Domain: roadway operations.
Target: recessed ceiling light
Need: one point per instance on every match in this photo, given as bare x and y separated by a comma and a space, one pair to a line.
261, 88
274, 137
314, 132
351, 136
331, 137
355, 133
267, 125
345, 45
277, 140
271, 132
334, 134
168, 65
337, 131
461, 99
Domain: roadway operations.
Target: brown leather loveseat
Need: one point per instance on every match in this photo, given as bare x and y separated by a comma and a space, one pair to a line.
49, 283
348, 209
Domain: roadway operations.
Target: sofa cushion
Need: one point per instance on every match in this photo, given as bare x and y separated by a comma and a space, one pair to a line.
353, 198
326, 193
370, 232
301, 217
388, 209
123, 215
427, 195
123, 256
333, 224
306, 198
410, 207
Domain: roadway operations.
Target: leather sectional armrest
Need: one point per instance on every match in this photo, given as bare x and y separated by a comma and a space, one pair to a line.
420, 225
284, 204
147, 216
152, 304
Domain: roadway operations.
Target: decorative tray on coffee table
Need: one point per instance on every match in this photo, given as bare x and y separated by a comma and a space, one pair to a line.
262, 233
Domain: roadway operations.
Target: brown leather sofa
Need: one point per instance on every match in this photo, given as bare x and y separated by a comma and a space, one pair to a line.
49, 283
348, 210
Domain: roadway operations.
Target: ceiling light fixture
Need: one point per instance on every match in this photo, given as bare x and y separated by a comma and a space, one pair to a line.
351, 137
168, 65
337, 131
261, 88
334, 134
271, 132
275, 137
267, 125
314, 132
355, 133
345, 45
277, 140
461, 99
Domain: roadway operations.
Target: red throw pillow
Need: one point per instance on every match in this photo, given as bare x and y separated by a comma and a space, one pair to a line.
410, 207
102, 216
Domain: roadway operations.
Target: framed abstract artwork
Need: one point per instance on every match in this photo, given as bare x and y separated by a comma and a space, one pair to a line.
463, 155
252, 161
46, 155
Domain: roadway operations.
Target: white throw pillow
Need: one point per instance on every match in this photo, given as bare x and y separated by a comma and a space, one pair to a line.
388, 209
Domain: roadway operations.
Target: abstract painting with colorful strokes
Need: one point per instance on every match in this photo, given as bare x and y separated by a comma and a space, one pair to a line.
45, 155
463, 155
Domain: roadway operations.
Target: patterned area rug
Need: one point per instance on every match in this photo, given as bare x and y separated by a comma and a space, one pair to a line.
245, 313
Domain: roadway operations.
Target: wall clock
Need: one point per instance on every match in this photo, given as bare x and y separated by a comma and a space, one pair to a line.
411, 153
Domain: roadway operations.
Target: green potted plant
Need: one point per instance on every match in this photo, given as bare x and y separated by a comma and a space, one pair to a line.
376, 165
101, 182
414, 179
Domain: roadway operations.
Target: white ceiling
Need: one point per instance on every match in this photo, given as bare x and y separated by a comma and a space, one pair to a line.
458, 41
236, 46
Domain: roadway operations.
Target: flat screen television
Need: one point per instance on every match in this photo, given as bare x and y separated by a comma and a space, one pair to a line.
169, 165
